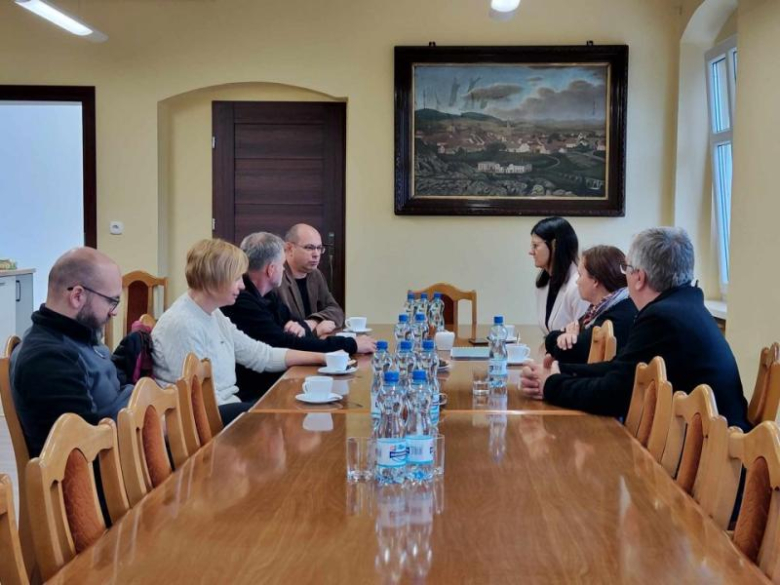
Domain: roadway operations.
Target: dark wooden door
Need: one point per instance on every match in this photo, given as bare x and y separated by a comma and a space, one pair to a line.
276, 164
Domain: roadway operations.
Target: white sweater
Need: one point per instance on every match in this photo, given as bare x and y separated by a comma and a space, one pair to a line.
569, 305
185, 328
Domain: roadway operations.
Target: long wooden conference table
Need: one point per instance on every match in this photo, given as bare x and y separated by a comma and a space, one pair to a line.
530, 494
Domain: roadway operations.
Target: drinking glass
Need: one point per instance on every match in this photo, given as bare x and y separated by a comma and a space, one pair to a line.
479, 381
361, 456
438, 455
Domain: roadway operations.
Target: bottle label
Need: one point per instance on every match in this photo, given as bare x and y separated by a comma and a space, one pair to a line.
497, 367
391, 452
374, 405
420, 449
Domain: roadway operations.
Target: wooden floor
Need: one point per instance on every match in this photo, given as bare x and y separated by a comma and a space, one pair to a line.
7, 463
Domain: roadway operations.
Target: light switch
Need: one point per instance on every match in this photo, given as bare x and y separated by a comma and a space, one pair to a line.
116, 228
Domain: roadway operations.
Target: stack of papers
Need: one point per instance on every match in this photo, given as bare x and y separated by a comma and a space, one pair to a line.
473, 353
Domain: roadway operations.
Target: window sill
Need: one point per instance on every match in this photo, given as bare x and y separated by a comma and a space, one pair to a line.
717, 308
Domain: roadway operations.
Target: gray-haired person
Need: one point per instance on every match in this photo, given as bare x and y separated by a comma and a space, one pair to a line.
260, 313
672, 323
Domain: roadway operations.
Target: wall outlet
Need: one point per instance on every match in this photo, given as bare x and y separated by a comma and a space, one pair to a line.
116, 228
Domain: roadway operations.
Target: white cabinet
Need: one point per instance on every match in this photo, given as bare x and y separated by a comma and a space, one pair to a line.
16, 303
7, 308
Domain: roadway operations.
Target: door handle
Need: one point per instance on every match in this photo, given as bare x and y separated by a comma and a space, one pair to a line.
18, 291
331, 244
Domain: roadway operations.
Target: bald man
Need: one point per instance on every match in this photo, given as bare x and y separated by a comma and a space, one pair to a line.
303, 288
61, 365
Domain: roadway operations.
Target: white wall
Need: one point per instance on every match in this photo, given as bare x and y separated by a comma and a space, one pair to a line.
41, 185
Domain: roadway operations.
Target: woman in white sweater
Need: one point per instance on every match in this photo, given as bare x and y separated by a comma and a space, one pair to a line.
554, 248
195, 324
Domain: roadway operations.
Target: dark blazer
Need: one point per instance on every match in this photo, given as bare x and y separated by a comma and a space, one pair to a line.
323, 305
263, 319
675, 326
622, 316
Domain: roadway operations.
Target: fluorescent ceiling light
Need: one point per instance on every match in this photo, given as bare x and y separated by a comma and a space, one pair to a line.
503, 9
62, 19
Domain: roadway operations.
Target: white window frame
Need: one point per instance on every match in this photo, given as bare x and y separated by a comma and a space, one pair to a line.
728, 50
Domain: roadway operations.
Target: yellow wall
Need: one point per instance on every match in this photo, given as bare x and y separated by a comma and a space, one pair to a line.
159, 50
754, 316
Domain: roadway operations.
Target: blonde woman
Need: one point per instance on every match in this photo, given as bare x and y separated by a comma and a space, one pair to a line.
195, 324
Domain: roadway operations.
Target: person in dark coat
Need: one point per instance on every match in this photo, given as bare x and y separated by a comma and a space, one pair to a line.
602, 284
260, 313
672, 323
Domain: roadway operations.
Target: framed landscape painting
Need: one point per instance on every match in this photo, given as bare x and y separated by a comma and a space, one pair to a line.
510, 130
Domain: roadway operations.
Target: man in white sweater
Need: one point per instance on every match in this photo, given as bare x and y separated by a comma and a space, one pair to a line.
194, 324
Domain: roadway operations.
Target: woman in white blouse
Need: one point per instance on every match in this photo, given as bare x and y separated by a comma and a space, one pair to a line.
195, 324
554, 248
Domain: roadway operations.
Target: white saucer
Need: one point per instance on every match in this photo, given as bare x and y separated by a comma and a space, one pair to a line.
359, 331
311, 400
326, 370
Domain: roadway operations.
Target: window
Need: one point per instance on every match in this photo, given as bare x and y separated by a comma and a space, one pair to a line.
721, 64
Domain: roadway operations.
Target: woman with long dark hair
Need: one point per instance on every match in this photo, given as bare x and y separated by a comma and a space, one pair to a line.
603, 285
554, 248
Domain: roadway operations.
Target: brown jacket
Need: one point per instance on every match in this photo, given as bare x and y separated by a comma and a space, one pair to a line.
322, 302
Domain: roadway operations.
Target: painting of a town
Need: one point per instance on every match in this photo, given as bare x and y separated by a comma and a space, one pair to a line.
510, 131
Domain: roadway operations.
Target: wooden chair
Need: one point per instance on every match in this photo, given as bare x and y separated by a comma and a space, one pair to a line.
451, 297
138, 288
142, 451
685, 453
12, 566
603, 343
766, 393
63, 499
757, 532
21, 454
650, 412
200, 413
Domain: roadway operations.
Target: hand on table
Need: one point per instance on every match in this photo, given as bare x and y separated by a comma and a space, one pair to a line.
325, 327
569, 336
533, 378
365, 344
294, 328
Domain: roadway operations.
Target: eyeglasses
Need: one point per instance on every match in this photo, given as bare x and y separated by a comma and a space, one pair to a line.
627, 269
312, 248
113, 302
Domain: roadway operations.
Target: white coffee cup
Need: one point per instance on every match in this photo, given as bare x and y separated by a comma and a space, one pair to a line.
356, 323
318, 387
510, 331
518, 352
337, 360
444, 340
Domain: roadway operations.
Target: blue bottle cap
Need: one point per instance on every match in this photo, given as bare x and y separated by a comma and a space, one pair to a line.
403, 318
381, 344
428, 344
437, 295
410, 296
419, 317
419, 376
405, 345
424, 296
498, 320
391, 376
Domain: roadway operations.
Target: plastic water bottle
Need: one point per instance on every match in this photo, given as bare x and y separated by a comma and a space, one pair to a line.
422, 305
380, 363
428, 359
436, 312
497, 372
404, 361
419, 330
402, 329
410, 306
391, 449
435, 406
419, 438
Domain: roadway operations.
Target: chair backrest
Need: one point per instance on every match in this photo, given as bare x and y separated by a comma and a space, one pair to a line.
142, 451
451, 296
603, 343
63, 499
686, 445
766, 392
196, 374
650, 412
21, 454
757, 532
138, 296
12, 567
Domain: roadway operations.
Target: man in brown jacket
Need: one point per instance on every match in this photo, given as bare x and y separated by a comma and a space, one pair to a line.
304, 289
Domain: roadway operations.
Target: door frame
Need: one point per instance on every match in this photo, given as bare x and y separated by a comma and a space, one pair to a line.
223, 184
85, 95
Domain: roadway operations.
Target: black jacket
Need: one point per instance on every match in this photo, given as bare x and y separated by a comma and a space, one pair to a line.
675, 326
61, 367
622, 316
263, 319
